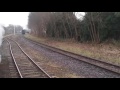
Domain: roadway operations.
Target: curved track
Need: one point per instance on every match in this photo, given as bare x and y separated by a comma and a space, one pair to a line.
26, 67
104, 65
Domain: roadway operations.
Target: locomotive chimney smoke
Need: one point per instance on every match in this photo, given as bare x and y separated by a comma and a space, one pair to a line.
1, 37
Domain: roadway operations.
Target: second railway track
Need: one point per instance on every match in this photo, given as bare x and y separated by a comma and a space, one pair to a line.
104, 65
25, 66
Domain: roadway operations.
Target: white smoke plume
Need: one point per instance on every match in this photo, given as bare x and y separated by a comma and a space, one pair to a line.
2, 31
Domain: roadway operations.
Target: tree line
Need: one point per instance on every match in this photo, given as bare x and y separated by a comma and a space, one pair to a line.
94, 26
10, 29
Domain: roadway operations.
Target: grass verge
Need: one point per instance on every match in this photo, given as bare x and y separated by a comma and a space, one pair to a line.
104, 52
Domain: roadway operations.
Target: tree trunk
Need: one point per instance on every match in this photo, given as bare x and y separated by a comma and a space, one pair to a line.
66, 33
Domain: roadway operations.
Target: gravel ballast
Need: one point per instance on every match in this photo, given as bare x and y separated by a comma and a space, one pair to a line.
74, 66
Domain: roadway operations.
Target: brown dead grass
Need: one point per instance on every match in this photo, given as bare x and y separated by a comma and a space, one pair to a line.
104, 52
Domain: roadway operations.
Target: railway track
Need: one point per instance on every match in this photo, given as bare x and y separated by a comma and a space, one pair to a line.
12, 68
104, 65
26, 67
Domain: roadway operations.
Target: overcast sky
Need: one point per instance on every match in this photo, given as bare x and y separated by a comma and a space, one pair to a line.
17, 18
80, 15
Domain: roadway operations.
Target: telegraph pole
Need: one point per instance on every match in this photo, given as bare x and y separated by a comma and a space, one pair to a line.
14, 30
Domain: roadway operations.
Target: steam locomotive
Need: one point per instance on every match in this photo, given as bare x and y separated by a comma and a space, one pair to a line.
24, 31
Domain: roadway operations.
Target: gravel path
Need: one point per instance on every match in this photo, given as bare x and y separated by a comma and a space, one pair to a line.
4, 65
80, 68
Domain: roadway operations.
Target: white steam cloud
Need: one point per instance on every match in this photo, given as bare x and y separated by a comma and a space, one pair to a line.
2, 31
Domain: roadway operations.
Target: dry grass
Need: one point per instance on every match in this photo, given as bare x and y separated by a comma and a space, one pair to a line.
104, 52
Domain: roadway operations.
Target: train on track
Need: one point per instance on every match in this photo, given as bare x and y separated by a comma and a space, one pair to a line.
23, 31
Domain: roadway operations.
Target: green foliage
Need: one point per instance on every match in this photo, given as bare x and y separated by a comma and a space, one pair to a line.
95, 26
